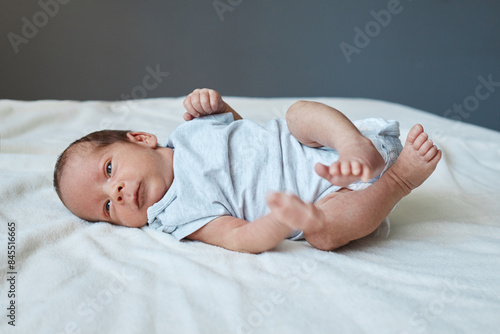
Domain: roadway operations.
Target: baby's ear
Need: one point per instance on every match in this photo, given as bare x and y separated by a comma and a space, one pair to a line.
143, 138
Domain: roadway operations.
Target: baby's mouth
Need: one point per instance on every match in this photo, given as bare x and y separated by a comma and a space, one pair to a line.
136, 196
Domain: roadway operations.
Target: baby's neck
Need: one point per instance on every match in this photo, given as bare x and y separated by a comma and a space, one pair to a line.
167, 156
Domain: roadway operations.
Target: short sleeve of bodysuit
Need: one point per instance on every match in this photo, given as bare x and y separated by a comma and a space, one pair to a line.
185, 208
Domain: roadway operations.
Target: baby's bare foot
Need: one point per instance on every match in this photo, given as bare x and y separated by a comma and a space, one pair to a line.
293, 212
417, 161
359, 161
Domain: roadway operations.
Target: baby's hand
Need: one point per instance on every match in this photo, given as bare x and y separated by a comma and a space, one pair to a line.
293, 212
203, 102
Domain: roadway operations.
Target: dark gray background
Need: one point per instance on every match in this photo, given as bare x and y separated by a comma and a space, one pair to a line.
429, 56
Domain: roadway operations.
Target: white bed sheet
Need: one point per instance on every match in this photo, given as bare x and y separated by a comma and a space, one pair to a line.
438, 272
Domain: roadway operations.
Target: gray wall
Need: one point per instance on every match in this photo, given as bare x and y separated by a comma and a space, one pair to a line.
433, 55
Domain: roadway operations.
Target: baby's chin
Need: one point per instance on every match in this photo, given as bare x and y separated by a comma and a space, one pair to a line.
152, 195
135, 223
135, 218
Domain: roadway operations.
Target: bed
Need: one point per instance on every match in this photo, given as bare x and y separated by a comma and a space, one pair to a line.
437, 272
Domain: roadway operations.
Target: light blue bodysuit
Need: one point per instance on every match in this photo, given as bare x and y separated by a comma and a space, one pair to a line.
226, 167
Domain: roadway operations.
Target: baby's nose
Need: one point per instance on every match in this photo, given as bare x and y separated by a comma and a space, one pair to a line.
118, 195
116, 191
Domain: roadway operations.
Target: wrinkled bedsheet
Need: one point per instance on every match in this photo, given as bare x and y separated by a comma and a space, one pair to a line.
437, 272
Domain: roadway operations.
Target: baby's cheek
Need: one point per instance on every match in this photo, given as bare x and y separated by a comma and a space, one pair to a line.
139, 218
125, 217
155, 194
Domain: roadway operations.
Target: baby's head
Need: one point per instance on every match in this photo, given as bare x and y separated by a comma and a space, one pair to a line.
113, 176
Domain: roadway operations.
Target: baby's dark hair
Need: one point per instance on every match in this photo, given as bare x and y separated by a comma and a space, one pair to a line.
98, 139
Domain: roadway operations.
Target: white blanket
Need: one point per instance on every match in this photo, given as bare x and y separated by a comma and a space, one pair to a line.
437, 272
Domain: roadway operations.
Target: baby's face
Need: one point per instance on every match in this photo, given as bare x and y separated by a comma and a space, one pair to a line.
117, 183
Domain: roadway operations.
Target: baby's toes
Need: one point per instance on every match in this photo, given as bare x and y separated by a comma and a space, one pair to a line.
345, 168
366, 174
426, 146
356, 168
432, 153
335, 168
420, 140
415, 131
322, 170
330, 173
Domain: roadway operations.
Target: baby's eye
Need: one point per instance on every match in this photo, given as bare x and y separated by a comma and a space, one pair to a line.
107, 206
108, 168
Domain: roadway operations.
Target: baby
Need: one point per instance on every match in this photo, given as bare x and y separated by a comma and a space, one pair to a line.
233, 183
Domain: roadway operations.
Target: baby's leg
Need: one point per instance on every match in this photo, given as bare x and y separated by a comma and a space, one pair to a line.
342, 217
358, 160
315, 124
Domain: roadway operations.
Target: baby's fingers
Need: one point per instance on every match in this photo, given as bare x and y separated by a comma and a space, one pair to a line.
215, 100
191, 111
195, 101
293, 212
188, 116
205, 103
208, 101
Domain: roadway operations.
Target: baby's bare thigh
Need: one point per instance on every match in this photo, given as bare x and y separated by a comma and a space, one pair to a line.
332, 233
332, 195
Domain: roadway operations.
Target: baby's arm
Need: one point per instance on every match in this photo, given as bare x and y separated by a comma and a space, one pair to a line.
203, 102
240, 235
316, 124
